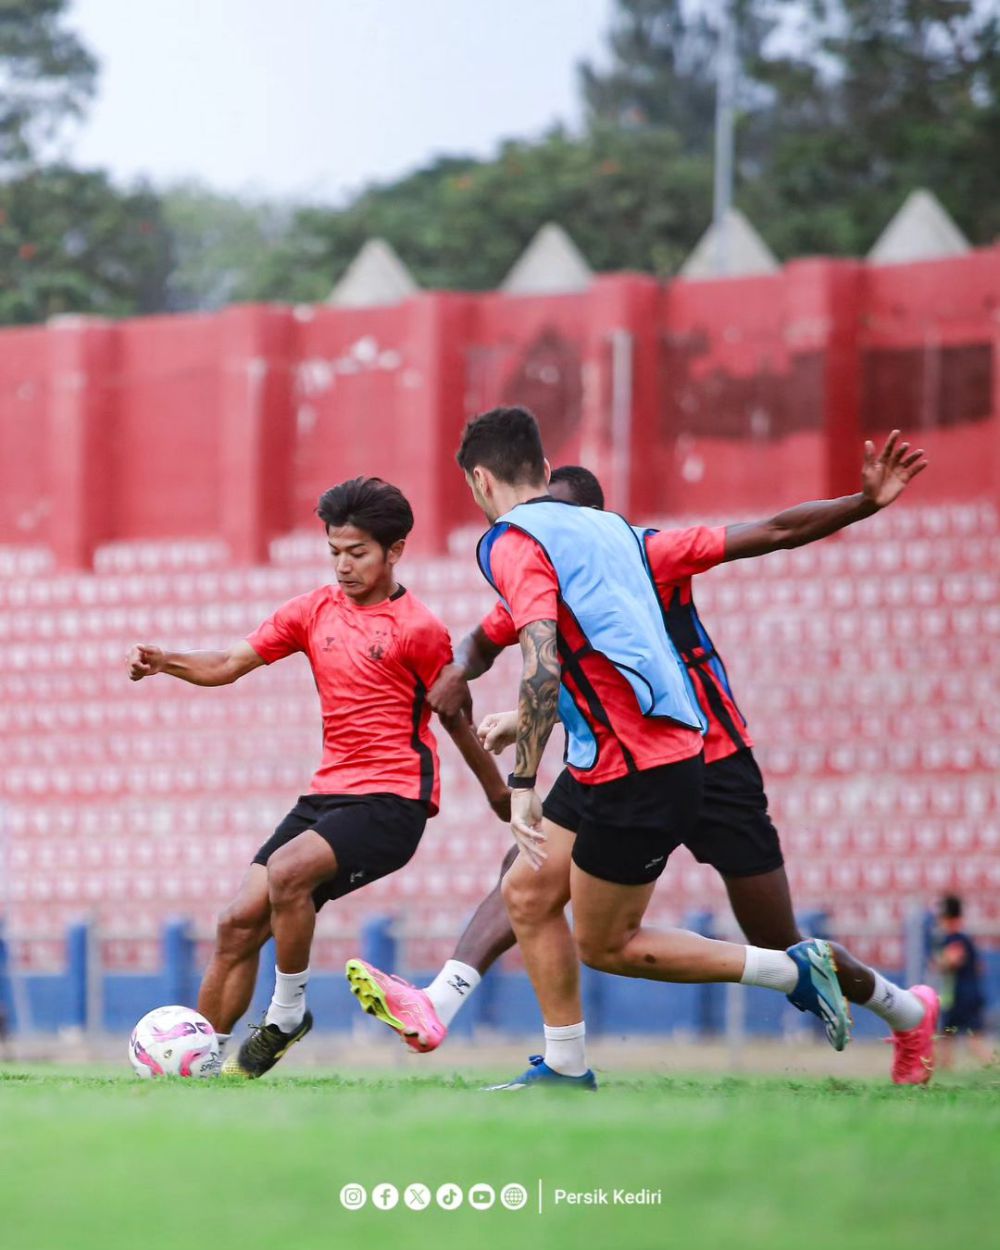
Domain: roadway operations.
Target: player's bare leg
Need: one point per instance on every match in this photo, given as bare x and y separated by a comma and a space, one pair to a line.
489, 934
536, 903
611, 936
228, 984
293, 873
422, 1017
762, 906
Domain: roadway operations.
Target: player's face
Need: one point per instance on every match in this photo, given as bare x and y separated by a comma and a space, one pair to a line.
365, 573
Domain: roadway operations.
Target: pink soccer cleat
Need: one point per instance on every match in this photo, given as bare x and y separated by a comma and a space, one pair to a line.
913, 1057
398, 1004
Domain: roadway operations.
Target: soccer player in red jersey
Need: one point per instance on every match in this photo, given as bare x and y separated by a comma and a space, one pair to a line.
375, 651
582, 597
734, 832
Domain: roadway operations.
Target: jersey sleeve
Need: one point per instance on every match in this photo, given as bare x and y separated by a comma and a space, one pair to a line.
283, 633
498, 626
429, 650
525, 577
677, 554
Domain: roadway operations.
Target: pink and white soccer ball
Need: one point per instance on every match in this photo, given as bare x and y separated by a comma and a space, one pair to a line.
174, 1041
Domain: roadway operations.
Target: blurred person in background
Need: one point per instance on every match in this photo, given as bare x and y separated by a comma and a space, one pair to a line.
963, 1003
5, 1054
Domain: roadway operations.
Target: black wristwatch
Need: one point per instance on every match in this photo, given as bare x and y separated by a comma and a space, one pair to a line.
521, 783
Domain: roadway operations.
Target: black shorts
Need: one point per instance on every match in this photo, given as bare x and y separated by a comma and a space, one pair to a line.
371, 835
734, 833
626, 829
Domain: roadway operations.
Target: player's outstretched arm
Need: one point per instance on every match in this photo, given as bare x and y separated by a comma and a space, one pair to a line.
474, 656
200, 668
481, 763
884, 477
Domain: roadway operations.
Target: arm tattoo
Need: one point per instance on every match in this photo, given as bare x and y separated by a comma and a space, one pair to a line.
539, 694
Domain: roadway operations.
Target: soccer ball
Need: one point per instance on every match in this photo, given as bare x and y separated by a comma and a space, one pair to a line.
174, 1041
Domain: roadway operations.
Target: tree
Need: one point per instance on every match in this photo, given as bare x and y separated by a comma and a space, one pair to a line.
71, 242
663, 66
221, 246
893, 94
629, 199
46, 76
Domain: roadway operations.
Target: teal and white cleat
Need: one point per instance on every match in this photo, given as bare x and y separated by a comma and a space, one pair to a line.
819, 990
541, 1075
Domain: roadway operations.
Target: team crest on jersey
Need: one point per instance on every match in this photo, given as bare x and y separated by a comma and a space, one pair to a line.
379, 643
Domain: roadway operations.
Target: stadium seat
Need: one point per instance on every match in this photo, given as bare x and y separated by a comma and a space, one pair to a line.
868, 667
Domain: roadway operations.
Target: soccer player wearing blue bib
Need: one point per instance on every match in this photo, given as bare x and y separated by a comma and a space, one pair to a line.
580, 592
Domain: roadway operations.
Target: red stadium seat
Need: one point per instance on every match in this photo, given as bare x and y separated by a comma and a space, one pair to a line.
868, 667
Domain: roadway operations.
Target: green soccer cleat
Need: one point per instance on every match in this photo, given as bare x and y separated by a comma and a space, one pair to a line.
263, 1048
819, 991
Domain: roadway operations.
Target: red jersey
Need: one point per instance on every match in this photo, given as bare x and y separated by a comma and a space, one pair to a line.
676, 556
627, 741
373, 667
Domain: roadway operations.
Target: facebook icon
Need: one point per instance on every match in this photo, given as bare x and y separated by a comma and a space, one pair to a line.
385, 1196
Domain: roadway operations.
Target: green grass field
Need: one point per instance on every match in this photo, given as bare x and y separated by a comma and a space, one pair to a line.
109, 1161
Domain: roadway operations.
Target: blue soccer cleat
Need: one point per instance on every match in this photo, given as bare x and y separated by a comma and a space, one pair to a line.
541, 1074
819, 990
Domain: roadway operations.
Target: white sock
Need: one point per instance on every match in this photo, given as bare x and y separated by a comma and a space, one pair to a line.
288, 1005
901, 1009
772, 969
451, 989
566, 1048
222, 1039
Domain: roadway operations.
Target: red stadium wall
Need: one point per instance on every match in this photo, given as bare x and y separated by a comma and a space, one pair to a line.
727, 396
25, 497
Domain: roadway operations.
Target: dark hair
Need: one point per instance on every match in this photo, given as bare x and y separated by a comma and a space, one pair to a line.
377, 507
583, 485
951, 907
505, 441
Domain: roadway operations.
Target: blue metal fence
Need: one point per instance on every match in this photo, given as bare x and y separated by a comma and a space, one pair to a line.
505, 1001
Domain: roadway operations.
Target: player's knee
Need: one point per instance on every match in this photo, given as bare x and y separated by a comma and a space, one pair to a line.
239, 934
527, 898
285, 879
602, 950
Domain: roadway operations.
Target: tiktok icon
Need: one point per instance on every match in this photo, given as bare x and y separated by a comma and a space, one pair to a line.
449, 1197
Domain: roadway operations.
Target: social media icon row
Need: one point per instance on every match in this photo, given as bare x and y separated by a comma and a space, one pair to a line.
449, 1197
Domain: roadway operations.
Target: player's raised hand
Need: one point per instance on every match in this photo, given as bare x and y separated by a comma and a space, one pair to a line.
526, 826
144, 661
885, 476
498, 731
